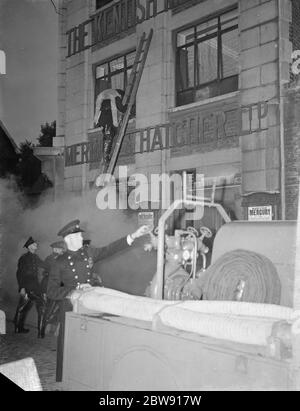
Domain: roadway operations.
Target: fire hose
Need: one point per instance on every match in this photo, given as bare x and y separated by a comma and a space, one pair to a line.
240, 329
240, 322
236, 308
243, 276
100, 299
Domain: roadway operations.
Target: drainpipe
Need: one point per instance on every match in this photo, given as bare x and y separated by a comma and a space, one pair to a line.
2, 62
281, 115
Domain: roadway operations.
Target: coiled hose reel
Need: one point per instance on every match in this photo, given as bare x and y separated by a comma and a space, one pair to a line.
242, 275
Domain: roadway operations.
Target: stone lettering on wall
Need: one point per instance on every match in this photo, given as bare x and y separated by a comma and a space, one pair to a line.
111, 21
193, 130
83, 153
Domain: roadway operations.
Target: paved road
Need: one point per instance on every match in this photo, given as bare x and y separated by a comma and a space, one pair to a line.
15, 347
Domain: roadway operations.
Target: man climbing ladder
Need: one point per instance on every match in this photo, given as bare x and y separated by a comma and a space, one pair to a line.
108, 166
109, 107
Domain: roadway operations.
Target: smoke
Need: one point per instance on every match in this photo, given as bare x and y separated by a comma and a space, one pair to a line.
124, 272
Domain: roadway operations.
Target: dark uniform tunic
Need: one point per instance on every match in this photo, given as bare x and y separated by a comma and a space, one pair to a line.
69, 271
27, 272
27, 277
49, 262
52, 307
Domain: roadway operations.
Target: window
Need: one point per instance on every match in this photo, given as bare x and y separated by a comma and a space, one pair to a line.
102, 3
207, 59
114, 74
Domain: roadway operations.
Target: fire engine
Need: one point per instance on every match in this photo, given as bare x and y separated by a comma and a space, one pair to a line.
227, 326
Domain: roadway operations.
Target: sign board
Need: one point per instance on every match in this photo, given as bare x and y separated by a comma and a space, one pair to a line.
109, 22
146, 218
195, 129
260, 213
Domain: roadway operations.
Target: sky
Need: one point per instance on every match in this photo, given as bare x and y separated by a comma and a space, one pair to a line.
28, 90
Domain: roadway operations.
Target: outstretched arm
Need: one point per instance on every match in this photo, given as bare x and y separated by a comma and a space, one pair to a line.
119, 245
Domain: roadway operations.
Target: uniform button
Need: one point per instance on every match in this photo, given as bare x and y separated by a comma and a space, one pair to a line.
73, 270
71, 263
69, 257
87, 266
88, 273
76, 277
88, 281
85, 259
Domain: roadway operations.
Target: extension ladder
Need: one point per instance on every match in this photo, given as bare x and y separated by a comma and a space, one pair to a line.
128, 100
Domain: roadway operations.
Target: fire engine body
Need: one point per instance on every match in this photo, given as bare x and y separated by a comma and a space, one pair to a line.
175, 338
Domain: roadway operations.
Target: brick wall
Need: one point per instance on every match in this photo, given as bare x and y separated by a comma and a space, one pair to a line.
292, 125
259, 81
265, 39
292, 150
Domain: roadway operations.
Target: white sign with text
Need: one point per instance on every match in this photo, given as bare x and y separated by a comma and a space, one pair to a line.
260, 213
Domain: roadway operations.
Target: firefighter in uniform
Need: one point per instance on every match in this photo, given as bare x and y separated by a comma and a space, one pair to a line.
72, 270
51, 310
96, 279
29, 287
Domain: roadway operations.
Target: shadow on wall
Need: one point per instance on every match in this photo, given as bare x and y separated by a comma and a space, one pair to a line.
129, 271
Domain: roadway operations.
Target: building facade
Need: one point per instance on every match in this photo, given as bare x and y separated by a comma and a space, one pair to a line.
216, 97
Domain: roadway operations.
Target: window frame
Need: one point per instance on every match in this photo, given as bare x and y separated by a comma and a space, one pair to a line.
194, 43
108, 76
107, 61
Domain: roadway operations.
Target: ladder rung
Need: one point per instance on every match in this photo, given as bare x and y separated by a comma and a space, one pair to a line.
129, 97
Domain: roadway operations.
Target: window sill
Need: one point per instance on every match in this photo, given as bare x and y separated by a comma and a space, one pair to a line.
204, 102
